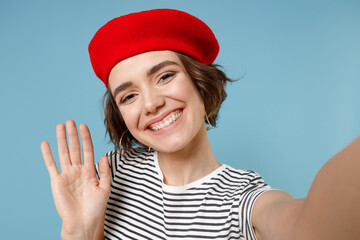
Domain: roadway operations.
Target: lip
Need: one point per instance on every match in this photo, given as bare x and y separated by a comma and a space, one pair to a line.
161, 117
167, 129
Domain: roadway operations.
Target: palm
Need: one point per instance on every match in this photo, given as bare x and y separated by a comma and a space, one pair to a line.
77, 195
80, 198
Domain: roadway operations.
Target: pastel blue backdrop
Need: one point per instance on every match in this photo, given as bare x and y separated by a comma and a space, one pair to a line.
297, 104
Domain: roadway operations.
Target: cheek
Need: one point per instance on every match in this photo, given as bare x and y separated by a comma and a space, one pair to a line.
187, 92
192, 95
130, 115
184, 89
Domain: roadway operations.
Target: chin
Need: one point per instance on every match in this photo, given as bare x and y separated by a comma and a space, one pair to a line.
171, 146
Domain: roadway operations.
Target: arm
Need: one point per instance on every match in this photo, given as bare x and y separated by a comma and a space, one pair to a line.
332, 208
330, 211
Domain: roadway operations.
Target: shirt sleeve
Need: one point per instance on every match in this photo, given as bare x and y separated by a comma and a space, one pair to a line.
255, 187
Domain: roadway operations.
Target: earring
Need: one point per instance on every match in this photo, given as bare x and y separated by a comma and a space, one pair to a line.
207, 119
208, 122
122, 157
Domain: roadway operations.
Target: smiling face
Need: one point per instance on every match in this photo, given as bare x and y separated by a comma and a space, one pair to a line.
158, 101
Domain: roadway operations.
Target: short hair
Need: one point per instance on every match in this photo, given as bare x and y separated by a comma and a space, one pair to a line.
209, 81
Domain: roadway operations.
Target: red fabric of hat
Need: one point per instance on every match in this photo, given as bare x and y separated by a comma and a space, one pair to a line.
152, 30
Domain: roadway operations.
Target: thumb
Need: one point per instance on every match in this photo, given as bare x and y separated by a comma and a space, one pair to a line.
104, 171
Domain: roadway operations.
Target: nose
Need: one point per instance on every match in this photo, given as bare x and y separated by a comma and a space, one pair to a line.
153, 101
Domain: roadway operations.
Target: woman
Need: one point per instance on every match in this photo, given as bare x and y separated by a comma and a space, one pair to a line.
166, 183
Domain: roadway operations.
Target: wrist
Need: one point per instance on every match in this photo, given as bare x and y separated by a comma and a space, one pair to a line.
76, 234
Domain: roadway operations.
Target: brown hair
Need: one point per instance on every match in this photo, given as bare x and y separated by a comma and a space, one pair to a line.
208, 79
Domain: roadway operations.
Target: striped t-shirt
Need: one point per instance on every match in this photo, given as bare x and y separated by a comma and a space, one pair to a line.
141, 206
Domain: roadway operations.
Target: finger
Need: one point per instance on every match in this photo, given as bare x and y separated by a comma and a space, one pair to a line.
87, 146
104, 171
49, 160
62, 146
74, 143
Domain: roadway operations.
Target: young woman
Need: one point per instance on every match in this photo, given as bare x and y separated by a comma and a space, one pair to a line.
165, 183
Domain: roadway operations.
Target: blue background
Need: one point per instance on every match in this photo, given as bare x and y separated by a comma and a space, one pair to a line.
296, 106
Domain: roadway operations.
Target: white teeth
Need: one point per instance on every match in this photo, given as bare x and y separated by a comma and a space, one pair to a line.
167, 121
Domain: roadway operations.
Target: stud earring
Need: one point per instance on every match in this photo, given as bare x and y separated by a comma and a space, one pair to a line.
122, 157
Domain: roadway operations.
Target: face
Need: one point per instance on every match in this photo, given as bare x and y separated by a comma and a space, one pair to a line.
158, 101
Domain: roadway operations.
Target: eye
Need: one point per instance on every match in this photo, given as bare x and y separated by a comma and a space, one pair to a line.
166, 77
127, 98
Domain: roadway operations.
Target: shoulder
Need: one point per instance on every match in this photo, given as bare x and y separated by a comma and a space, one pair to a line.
249, 179
130, 158
250, 185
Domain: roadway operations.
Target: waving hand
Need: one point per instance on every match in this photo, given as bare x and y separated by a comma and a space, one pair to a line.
80, 198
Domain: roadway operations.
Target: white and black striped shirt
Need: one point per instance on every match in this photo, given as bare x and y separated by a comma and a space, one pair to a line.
141, 206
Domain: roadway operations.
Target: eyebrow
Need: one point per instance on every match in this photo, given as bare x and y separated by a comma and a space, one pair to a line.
159, 66
150, 72
121, 88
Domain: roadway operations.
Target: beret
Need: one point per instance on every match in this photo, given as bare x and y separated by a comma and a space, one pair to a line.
152, 30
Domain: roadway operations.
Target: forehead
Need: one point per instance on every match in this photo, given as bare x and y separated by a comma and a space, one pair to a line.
140, 64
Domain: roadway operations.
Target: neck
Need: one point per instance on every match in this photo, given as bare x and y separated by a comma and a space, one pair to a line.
189, 164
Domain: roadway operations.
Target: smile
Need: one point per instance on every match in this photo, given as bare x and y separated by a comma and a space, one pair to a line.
168, 120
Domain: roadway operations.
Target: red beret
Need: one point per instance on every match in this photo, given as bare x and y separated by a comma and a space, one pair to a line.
152, 30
